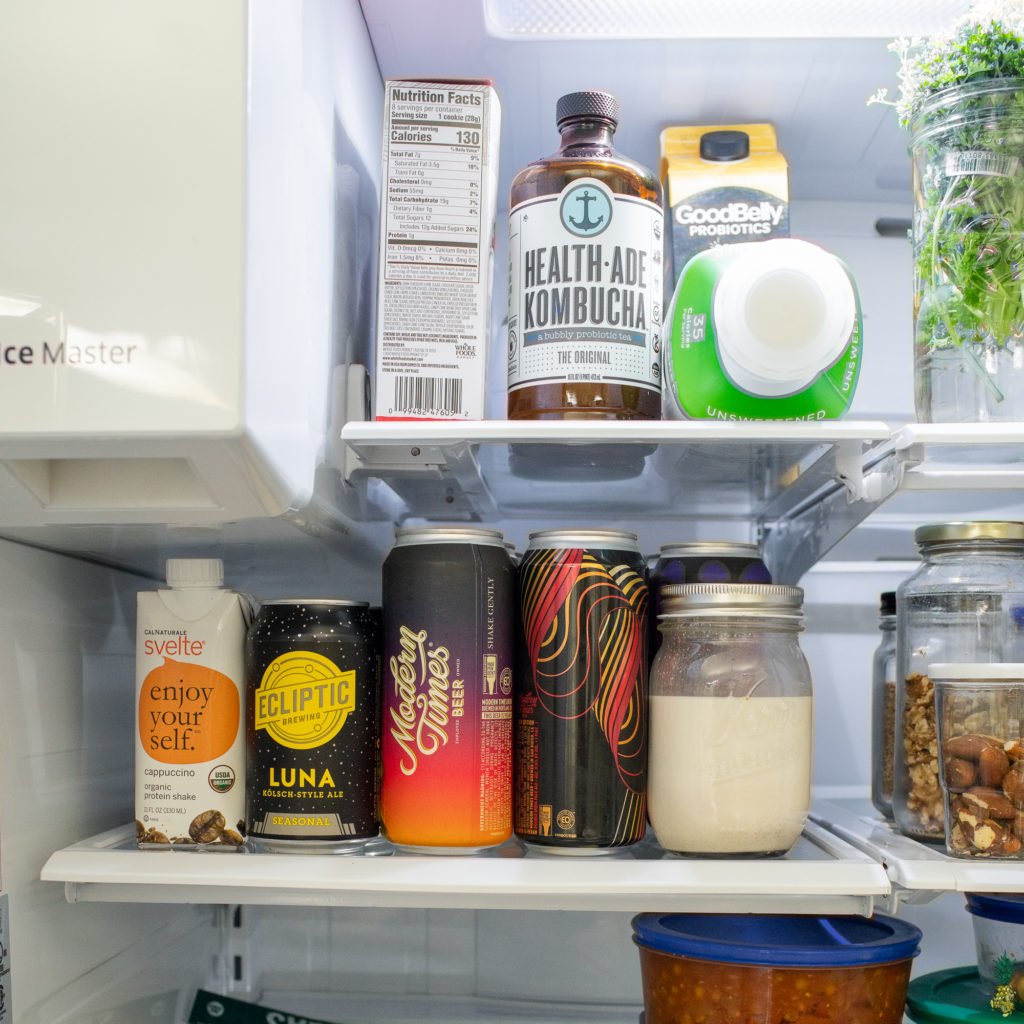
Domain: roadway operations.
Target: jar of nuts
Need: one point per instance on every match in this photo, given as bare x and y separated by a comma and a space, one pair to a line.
980, 711
883, 708
961, 606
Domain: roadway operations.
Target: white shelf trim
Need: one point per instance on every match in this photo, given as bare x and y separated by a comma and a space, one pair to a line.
823, 875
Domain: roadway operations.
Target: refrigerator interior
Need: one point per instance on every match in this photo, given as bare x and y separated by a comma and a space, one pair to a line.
305, 177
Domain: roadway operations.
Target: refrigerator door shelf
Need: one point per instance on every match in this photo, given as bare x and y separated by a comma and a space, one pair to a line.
823, 875
918, 871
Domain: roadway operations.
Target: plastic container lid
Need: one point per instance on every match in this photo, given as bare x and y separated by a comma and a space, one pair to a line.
779, 940
724, 146
785, 310
184, 573
976, 672
953, 995
887, 603
997, 908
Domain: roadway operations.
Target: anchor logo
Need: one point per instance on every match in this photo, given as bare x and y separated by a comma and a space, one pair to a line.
586, 224
586, 208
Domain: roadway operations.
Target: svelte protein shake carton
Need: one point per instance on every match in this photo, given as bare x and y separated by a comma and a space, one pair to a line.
189, 743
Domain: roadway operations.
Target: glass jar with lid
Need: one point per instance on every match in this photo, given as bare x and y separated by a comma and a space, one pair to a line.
964, 604
729, 756
883, 707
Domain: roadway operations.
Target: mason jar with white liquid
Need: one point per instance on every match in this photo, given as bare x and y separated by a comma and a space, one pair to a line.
731, 717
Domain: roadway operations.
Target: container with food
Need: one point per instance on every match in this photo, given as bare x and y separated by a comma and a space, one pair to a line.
999, 937
979, 709
883, 708
774, 969
729, 764
961, 605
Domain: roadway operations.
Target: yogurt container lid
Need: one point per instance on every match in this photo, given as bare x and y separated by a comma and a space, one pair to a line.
779, 940
996, 908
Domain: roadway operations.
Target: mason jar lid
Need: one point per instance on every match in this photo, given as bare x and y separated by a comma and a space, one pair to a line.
944, 533
976, 672
724, 598
406, 535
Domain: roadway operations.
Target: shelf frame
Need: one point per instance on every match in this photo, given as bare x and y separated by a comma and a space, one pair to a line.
823, 875
801, 486
917, 871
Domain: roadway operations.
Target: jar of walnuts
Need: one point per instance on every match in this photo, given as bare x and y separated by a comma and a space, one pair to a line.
964, 604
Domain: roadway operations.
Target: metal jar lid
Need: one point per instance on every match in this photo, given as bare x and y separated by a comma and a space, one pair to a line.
608, 540
948, 533
698, 599
409, 535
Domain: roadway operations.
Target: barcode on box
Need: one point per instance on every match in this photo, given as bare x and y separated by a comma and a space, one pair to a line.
428, 396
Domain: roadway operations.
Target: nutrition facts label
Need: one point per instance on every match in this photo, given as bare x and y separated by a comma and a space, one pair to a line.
440, 177
435, 166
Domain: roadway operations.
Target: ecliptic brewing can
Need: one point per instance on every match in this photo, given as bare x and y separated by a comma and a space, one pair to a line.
581, 692
313, 725
446, 744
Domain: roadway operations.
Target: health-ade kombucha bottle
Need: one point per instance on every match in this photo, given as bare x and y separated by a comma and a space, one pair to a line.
585, 276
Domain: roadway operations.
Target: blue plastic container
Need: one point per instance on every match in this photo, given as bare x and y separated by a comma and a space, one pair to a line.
998, 930
764, 969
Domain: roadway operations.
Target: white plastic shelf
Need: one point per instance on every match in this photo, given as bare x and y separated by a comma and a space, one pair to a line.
823, 874
918, 871
961, 456
808, 483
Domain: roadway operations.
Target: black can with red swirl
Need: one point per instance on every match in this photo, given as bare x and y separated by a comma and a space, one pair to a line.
581, 692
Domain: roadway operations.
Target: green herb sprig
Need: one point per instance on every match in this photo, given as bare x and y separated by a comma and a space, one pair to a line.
958, 94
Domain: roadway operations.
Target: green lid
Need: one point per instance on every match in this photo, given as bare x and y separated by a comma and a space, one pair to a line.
954, 995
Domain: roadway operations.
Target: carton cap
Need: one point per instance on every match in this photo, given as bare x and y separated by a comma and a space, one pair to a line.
188, 573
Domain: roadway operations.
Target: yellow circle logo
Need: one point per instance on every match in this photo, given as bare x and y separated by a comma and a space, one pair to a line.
304, 699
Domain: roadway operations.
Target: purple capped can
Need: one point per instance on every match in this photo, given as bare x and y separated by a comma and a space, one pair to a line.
702, 561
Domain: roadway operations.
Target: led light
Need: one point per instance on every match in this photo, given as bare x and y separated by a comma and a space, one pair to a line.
681, 19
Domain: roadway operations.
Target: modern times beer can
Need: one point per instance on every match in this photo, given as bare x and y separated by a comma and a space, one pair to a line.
581, 692
313, 725
446, 744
